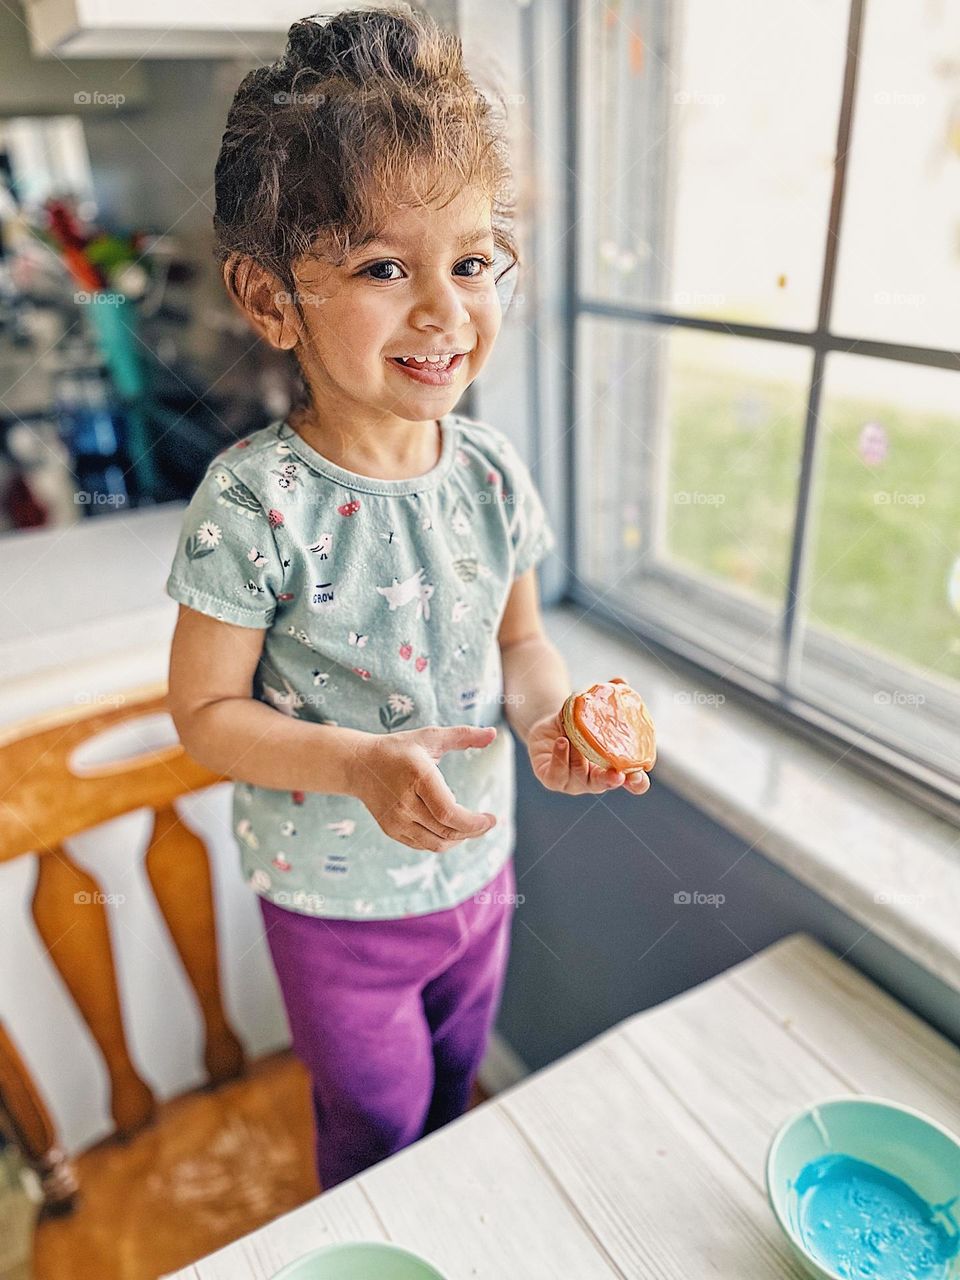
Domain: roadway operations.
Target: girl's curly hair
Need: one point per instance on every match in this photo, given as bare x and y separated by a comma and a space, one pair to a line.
365, 110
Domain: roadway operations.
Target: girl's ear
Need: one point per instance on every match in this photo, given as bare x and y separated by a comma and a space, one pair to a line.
262, 299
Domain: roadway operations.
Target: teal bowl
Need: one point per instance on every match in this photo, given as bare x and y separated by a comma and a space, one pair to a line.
366, 1260
900, 1141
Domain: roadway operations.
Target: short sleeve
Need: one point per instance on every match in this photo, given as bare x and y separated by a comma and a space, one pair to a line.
530, 530
227, 563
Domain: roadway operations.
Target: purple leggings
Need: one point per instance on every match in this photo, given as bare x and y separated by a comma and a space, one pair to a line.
391, 1017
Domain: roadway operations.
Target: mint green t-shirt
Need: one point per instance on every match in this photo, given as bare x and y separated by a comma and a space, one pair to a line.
381, 601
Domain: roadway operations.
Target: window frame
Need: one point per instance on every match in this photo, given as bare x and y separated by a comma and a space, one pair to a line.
777, 698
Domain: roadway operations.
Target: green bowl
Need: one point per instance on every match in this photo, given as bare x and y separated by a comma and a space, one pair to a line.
897, 1139
365, 1260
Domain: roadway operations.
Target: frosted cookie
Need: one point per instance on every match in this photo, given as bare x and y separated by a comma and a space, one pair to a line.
610, 726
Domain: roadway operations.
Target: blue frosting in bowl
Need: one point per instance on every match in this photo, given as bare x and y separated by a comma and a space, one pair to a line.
867, 1224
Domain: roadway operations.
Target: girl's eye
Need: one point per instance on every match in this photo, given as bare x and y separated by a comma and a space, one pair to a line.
485, 265
374, 266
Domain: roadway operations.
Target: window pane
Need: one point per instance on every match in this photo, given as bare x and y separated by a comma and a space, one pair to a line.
48, 157
689, 461
899, 269
707, 155
883, 591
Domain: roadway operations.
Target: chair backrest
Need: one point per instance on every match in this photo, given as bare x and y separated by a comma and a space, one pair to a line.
54, 783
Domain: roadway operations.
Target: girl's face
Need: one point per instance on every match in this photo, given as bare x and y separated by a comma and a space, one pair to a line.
425, 288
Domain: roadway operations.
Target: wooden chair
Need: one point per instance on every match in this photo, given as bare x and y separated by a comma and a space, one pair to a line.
43, 801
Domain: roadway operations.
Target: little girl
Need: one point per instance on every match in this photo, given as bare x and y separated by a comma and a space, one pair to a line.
357, 584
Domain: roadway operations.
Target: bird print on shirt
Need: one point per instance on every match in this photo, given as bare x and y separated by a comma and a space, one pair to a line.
345, 827
413, 588
422, 874
322, 546
234, 494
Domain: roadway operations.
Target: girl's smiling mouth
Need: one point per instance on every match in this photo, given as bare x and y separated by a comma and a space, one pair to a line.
430, 374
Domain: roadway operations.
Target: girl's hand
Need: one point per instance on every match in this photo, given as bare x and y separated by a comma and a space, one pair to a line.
399, 782
561, 767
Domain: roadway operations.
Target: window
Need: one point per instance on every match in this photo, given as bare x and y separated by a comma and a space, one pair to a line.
766, 375
48, 157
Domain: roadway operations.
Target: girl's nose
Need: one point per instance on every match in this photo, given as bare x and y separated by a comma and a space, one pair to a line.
440, 304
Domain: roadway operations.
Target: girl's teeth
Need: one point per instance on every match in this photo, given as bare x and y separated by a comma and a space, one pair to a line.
440, 361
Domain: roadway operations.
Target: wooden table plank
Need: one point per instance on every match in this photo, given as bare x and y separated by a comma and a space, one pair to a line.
474, 1200
866, 1037
470, 1197
736, 1070
343, 1213
665, 1200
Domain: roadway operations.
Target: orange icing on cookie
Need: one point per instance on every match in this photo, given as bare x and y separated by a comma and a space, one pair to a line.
614, 721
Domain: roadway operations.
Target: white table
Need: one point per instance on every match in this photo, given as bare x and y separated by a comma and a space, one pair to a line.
641, 1154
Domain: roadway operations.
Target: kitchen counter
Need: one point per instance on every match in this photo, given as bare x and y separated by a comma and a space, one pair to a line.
84, 612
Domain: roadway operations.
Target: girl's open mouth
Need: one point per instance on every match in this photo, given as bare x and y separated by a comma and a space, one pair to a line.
432, 375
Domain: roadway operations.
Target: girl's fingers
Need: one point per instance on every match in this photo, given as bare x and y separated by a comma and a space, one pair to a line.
422, 837
568, 770
579, 769
439, 808
558, 771
600, 779
638, 783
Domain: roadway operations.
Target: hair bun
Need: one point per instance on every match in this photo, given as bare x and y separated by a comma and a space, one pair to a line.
308, 42
356, 43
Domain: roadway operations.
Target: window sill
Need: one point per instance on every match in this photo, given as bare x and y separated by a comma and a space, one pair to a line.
881, 859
